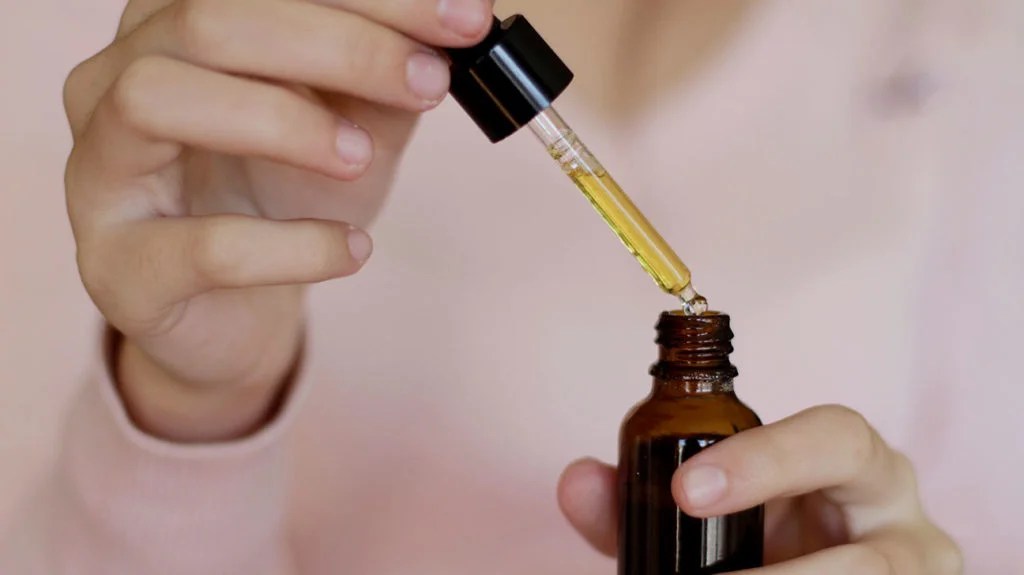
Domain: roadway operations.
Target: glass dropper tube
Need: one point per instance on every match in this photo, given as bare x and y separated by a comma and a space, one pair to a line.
618, 211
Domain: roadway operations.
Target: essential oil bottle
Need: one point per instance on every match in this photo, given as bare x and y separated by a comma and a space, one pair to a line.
692, 405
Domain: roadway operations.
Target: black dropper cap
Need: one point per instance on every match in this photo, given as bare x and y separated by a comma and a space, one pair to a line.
509, 78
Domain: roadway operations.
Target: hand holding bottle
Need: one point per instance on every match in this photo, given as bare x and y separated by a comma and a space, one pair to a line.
840, 500
226, 153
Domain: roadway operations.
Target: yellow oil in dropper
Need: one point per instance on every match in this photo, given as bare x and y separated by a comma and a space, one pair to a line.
618, 211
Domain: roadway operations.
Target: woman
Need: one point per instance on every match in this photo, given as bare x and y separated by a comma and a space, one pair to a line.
229, 153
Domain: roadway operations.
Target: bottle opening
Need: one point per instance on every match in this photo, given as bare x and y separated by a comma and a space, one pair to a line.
694, 347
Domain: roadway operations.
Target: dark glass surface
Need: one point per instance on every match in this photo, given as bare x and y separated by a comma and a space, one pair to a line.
659, 538
691, 407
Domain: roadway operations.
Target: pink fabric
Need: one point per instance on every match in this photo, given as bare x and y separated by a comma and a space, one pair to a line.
848, 188
123, 502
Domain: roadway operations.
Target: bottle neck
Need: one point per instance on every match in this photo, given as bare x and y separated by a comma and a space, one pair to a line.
682, 388
693, 355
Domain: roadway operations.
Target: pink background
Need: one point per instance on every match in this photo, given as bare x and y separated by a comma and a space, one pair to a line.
872, 257
47, 323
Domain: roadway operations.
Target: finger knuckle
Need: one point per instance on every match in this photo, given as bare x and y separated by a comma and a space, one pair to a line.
860, 439
90, 270
281, 114
200, 27
76, 88
211, 253
365, 54
135, 13
72, 171
132, 93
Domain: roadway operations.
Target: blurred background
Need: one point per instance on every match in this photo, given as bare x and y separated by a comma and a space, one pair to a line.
862, 158
47, 325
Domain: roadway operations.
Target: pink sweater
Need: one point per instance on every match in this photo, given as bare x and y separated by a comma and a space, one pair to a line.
863, 231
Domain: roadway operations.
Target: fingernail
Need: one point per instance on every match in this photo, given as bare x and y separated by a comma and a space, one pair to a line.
360, 246
704, 485
464, 17
428, 77
353, 145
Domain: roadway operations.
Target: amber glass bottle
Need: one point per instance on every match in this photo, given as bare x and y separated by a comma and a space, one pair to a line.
692, 405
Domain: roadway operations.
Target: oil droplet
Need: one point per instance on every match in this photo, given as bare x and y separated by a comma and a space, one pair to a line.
696, 306
693, 302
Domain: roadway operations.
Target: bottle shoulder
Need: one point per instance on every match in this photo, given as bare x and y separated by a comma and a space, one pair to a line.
712, 414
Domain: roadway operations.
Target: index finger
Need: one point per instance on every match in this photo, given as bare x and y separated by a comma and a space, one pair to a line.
434, 22
832, 449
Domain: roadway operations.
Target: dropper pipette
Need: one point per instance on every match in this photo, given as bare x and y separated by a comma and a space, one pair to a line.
511, 79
